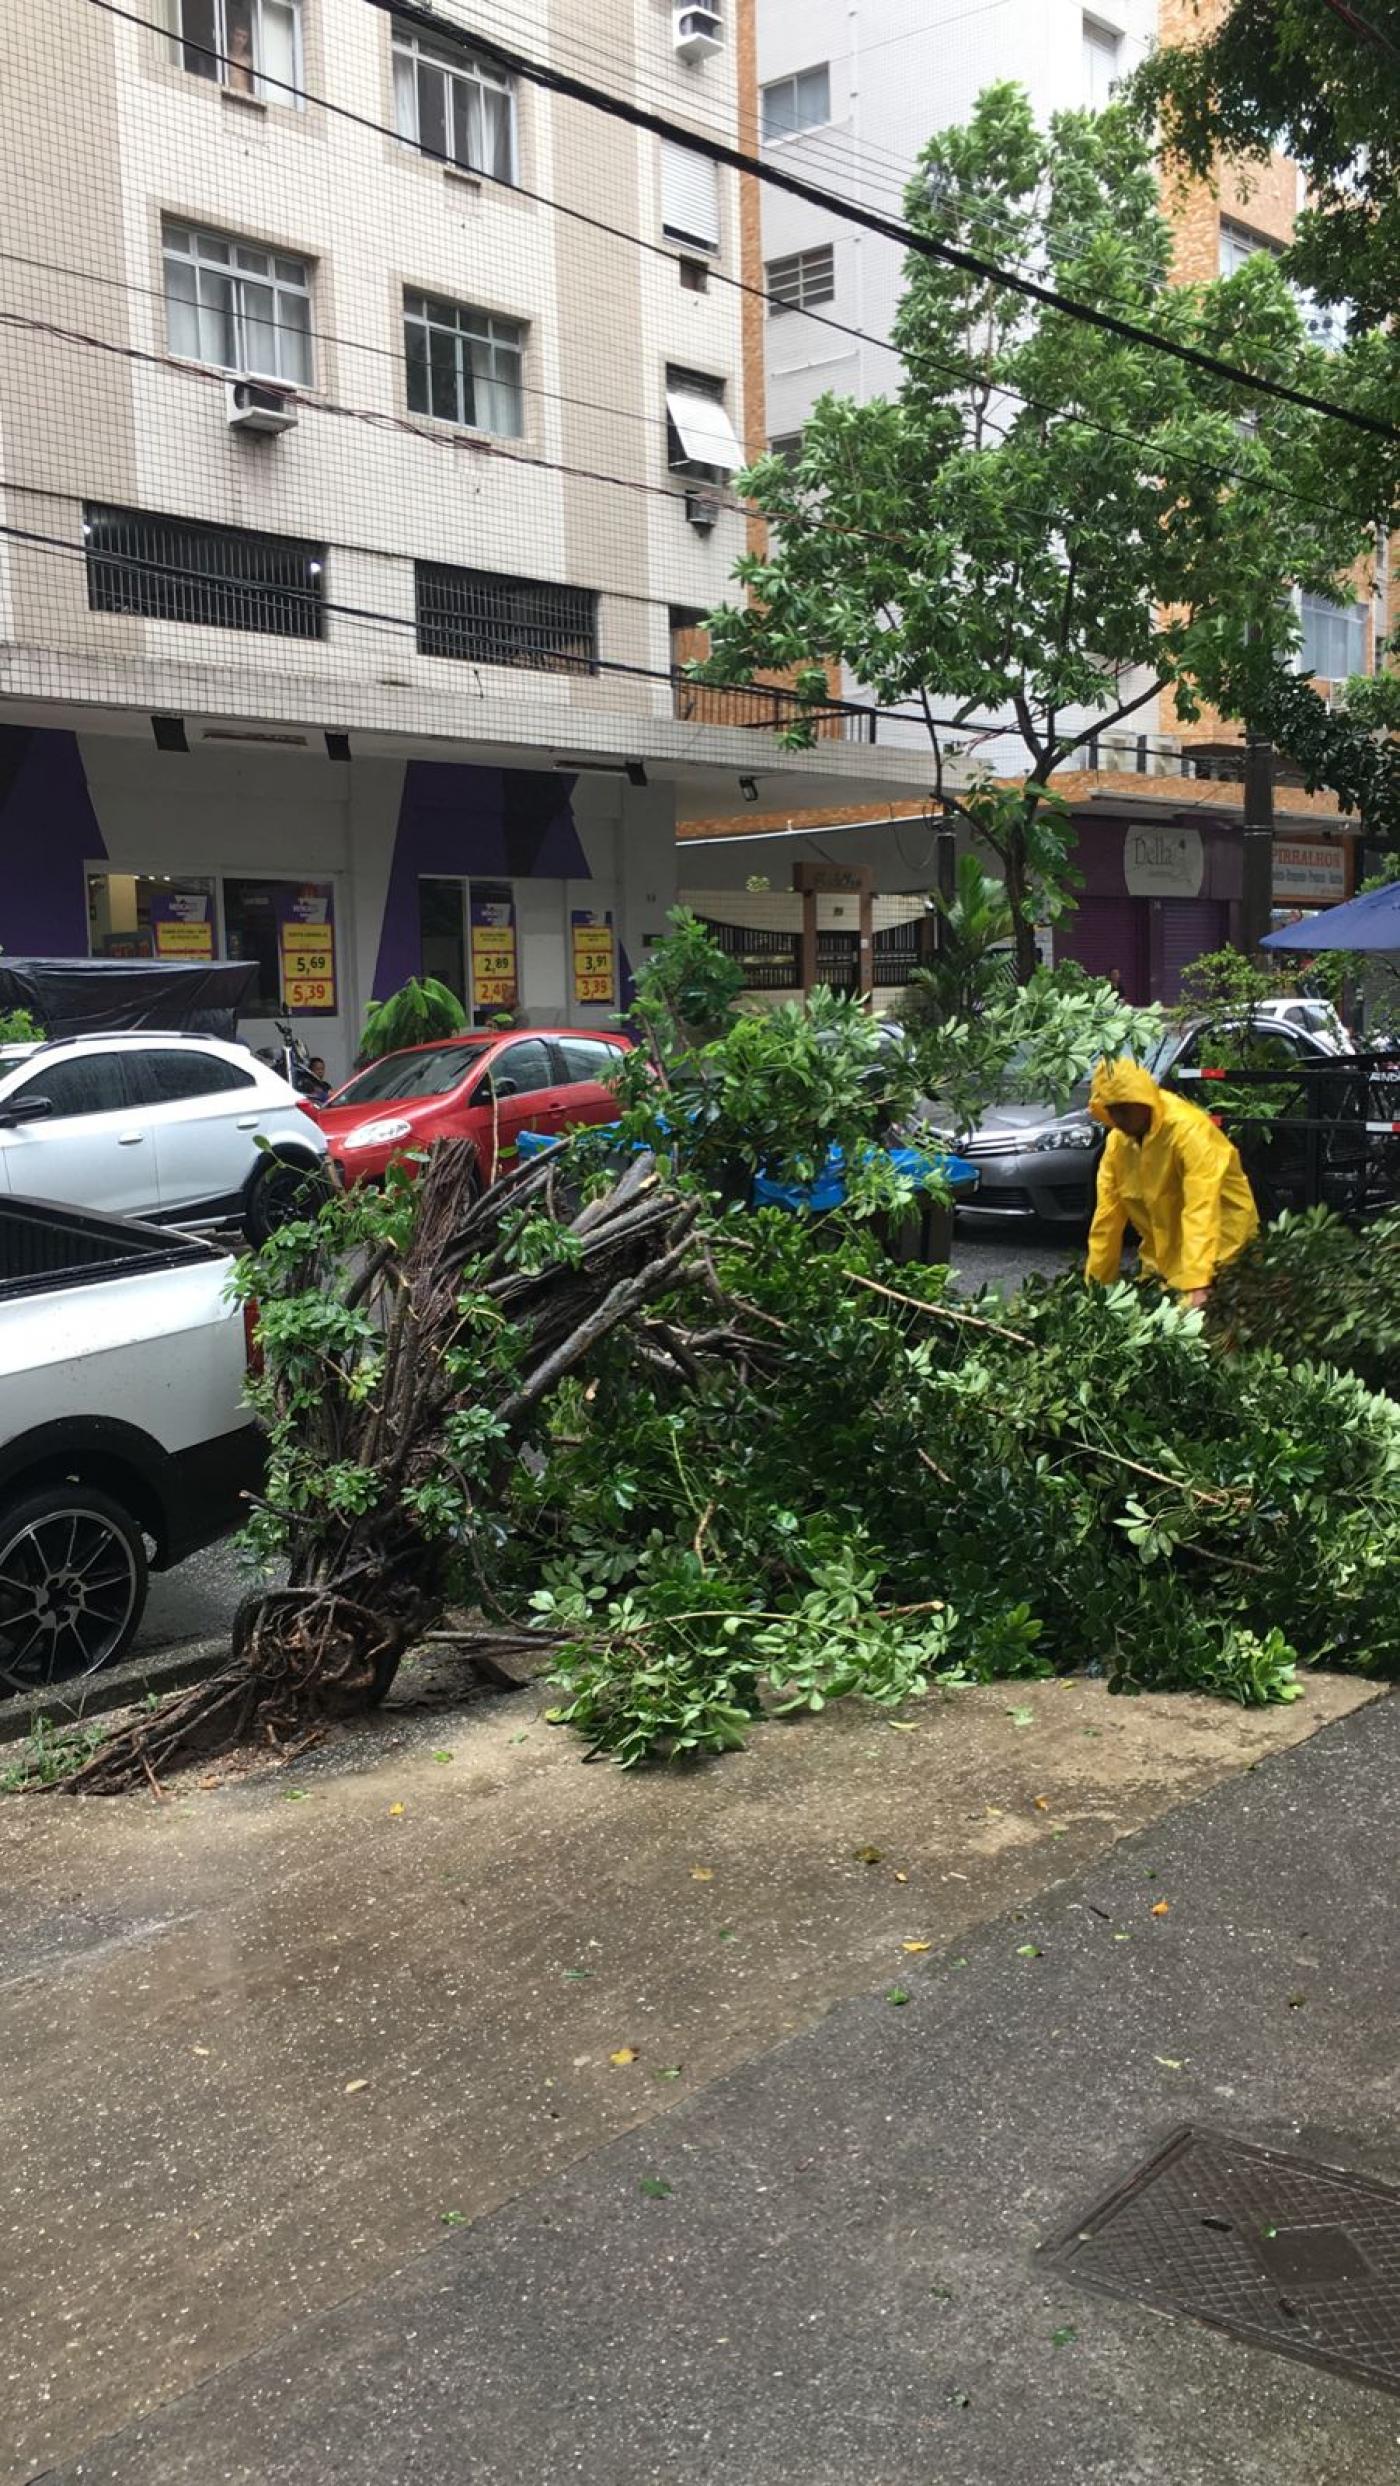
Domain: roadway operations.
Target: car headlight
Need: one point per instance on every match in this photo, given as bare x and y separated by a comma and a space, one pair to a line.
1068, 1135
377, 1134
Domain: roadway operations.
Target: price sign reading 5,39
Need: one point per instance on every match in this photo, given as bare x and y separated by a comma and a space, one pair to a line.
308, 967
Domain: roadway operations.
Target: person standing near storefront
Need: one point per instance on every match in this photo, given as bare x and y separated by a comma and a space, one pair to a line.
1169, 1172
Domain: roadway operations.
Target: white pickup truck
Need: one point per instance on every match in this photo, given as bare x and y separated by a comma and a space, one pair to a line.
124, 1440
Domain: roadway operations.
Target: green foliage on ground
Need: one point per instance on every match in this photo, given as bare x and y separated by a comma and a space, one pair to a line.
418, 1013
1312, 1288
800, 1473
880, 1494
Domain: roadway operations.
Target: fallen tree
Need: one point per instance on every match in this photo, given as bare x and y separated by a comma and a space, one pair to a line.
411, 1342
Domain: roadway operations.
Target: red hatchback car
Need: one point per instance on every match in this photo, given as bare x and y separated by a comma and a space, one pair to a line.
486, 1088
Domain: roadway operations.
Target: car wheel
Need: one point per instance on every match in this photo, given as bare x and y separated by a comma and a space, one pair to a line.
72, 1585
282, 1190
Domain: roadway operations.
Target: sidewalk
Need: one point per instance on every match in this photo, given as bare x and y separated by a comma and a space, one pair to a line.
840, 2287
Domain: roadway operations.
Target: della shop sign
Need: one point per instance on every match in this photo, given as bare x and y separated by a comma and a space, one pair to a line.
1163, 862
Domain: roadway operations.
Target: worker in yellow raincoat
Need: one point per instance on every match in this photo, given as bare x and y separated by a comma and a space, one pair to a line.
1170, 1172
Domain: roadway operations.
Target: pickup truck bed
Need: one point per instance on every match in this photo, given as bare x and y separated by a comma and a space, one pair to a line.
124, 1440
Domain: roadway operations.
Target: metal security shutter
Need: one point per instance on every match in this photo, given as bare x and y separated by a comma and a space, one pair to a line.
689, 196
1105, 935
1186, 928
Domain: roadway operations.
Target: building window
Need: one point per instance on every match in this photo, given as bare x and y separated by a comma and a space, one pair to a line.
1102, 64
787, 446
804, 278
172, 569
464, 366
239, 307
454, 105
482, 619
700, 439
1238, 246
797, 103
253, 47
1334, 638
689, 196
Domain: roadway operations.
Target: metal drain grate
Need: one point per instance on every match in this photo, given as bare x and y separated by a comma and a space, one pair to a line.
1300, 2258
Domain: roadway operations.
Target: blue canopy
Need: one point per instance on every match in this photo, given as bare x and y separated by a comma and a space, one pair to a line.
1369, 923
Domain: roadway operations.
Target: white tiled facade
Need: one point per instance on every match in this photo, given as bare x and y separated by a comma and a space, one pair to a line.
108, 136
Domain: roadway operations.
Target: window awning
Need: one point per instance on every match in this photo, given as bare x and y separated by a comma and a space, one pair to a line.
704, 430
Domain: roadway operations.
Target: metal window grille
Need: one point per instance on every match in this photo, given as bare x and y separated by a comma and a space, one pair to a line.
237, 306
454, 105
802, 279
251, 46
896, 952
172, 569
482, 619
771, 960
464, 366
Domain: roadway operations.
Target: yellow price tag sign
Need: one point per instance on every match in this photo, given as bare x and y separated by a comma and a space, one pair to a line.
178, 940
494, 973
308, 967
595, 964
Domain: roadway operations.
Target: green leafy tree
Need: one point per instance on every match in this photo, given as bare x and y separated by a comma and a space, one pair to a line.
1044, 523
1293, 77
419, 1012
974, 928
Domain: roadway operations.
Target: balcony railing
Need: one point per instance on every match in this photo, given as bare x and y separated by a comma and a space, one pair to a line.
765, 710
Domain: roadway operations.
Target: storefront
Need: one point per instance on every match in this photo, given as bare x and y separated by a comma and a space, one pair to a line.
1161, 889
527, 892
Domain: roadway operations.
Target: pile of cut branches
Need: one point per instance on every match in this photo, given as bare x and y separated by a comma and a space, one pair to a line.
411, 1343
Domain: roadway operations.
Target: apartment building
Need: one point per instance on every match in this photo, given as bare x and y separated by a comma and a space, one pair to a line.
848, 96
368, 418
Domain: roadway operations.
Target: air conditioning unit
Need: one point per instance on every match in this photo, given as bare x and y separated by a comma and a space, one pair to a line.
702, 509
259, 406
698, 32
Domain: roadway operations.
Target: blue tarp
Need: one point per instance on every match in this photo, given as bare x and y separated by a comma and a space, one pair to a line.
1369, 923
828, 1189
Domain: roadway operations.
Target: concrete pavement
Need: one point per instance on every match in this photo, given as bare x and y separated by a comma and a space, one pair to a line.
474, 2115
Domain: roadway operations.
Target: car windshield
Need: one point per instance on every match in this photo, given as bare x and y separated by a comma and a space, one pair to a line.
429, 1072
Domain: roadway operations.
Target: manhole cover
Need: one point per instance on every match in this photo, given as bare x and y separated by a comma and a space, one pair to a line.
1301, 2258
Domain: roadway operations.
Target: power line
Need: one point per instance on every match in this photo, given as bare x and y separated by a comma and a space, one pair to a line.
461, 441
371, 617
1362, 26
915, 357
1090, 736
579, 90
561, 82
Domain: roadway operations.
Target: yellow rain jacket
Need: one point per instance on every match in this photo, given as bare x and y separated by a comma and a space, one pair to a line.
1182, 1188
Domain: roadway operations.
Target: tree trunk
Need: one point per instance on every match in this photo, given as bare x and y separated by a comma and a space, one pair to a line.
1022, 920
365, 1583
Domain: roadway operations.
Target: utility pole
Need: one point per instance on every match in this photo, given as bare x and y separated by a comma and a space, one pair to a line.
1257, 888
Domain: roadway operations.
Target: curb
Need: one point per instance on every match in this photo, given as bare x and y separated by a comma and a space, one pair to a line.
166, 1670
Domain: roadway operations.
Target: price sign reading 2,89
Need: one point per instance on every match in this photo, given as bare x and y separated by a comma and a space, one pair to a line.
308, 967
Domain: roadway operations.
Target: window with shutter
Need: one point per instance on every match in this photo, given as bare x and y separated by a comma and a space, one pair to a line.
689, 196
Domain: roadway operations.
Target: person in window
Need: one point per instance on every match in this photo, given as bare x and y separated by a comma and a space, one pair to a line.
1170, 1173
315, 1083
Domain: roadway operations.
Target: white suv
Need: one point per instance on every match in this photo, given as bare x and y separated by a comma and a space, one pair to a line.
164, 1127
